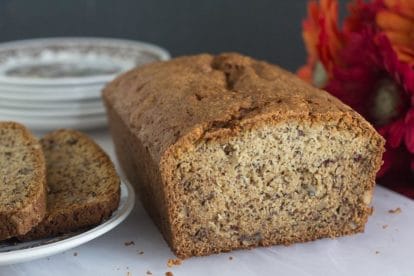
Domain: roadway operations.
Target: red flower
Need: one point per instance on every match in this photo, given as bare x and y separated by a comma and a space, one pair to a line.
369, 66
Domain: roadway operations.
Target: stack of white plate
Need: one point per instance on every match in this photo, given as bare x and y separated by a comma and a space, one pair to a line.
57, 82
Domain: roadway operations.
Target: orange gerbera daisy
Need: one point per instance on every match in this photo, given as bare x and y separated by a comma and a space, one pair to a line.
396, 20
322, 39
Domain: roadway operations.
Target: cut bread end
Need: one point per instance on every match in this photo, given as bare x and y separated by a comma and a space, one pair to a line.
290, 182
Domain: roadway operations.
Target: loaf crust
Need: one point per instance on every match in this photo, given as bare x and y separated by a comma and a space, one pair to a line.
28, 211
93, 201
159, 112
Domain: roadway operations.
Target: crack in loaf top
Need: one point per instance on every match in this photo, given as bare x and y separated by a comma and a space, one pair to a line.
163, 101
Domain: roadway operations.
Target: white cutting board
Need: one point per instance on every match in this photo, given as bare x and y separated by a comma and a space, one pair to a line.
381, 250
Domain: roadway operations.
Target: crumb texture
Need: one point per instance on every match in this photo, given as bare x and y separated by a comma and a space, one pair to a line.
229, 152
83, 187
285, 183
22, 180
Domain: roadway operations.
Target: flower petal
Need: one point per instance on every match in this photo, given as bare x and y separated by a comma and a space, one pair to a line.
394, 133
403, 7
389, 20
409, 138
321, 35
409, 130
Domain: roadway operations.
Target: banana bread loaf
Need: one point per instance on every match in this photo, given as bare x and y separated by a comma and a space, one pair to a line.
228, 152
22, 180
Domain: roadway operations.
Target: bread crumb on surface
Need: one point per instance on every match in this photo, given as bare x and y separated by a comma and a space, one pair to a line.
172, 262
149, 272
75, 254
128, 243
230, 258
395, 211
384, 226
169, 273
377, 252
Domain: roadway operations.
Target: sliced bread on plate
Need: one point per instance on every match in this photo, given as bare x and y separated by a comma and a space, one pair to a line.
84, 188
22, 180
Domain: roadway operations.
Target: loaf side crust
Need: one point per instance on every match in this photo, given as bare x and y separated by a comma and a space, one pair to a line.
141, 171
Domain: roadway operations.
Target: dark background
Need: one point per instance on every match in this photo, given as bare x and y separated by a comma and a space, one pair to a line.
265, 29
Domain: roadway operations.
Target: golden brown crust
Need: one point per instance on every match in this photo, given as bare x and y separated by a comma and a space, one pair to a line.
63, 217
158, 112
189, 96
19, 221
277, 240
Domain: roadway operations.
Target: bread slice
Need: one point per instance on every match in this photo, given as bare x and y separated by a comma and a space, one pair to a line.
229, 152
83, 186
22, 180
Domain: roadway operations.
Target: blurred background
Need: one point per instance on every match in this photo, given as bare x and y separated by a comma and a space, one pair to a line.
41, 94
265, 29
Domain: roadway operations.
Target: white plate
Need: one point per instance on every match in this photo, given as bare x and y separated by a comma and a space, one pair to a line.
47, 113
50, 123
51, 105
69, 61
51, 89
27, 251
58, 93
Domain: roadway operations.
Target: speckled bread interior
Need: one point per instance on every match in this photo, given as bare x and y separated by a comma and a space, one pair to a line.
22, 180
228, 152
83, 186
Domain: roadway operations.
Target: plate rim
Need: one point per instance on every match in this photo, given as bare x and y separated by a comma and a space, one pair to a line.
44, 113
43, 124
92, 94
29, 254
48, 89
51, 105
